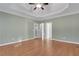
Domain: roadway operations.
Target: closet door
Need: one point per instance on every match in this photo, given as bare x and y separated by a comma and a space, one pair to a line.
48, 30
42, 32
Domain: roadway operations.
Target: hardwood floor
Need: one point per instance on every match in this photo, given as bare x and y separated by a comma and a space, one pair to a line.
38, 47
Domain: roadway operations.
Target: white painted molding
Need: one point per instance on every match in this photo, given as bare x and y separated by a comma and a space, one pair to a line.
41, 19
5, 44
17, 41
66, 41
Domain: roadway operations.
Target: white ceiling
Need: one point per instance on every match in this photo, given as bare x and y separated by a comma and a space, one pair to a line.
52, 10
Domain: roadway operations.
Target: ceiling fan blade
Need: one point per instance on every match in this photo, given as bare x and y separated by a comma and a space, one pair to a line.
35, 8
31, 3
42, 8
45, 3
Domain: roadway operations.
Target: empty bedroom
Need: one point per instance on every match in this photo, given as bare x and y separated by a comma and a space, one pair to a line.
39, 29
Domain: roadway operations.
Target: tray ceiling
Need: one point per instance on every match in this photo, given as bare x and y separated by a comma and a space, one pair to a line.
50, 11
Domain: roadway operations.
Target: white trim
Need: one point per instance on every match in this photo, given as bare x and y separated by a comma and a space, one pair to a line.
17, 41
66, 41
16, 12
38, 37
40, 19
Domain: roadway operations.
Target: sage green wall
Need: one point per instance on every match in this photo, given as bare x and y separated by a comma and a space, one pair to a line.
66, 28
14, 28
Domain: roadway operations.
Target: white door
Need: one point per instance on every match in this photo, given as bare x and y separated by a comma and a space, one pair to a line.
42, 30
48, 30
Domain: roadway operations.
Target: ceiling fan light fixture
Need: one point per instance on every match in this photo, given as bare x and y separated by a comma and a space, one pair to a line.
38, 6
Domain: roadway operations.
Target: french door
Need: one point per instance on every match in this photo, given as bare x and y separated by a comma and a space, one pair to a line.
43, 30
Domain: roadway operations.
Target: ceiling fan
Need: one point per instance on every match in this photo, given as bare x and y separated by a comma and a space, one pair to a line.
38, 5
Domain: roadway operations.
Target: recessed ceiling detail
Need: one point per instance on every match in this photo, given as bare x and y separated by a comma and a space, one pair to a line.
49, 9
52, 8
41, 12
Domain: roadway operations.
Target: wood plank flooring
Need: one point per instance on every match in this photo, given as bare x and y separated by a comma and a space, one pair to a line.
39, 47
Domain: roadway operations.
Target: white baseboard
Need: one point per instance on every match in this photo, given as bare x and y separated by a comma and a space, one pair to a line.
37, 37
17, 41
66, 41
